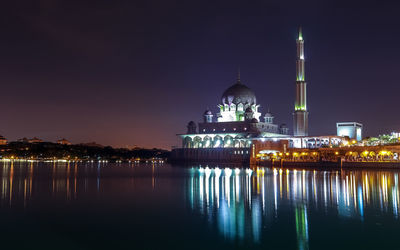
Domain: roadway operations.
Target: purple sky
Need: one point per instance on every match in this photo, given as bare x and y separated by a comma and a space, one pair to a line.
126, 73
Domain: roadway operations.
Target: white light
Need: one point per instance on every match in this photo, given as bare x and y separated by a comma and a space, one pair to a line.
217, 172
249, 171
207, 171
228, 172
237, 171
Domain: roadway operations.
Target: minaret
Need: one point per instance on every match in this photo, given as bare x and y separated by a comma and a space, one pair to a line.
300, 115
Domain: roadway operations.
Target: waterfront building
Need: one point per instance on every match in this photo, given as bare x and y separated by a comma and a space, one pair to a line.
230, 133
239, 131
353, 130
3, 140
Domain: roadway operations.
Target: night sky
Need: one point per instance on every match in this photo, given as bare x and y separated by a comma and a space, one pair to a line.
125, 73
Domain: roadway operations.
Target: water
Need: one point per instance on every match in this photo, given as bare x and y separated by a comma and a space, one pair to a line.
121, 206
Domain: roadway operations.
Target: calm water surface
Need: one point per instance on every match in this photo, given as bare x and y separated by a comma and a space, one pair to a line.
127, 206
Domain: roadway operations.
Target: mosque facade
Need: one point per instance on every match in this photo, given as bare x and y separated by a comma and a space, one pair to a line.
229, 134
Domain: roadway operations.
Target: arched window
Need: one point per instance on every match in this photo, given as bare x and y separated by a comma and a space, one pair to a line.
228, 142
218, 143
187, 142
240, 107
207, 142
233, 107
197, 142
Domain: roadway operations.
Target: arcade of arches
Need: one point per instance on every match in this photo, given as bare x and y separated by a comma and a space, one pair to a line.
216, 141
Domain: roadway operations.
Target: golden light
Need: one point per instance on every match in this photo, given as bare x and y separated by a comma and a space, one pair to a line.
336, 153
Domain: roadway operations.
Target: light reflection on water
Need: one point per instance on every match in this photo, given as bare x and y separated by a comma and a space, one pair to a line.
261, 207
244, 201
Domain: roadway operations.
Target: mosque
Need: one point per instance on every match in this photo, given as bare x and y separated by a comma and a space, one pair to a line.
229, 134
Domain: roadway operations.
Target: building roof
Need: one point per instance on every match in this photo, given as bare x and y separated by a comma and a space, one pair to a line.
238, 93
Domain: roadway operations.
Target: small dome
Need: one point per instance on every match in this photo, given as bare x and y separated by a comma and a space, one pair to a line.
238, 93
268, 114
254, 120
207, 112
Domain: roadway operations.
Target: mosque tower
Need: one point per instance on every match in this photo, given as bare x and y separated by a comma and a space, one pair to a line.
300, 115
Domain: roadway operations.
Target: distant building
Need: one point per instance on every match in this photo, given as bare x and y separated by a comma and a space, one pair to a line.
23, 140
351, 129
3, 140
64, 141
32, 140
395, 134
92, 144
35, 140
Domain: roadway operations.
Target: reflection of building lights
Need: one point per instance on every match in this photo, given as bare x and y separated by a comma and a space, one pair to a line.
249, 171
350, 192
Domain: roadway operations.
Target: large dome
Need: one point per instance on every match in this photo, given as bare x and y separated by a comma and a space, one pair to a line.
239, 93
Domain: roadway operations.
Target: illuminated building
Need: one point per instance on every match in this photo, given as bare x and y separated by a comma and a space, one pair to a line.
300, 115
228, 135
3, 140
351, 129
63, 141
33, 140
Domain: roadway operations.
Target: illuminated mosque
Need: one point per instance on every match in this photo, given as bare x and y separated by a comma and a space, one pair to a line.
229, 133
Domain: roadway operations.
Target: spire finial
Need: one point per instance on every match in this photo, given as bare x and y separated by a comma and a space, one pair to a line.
300, 34
238, 74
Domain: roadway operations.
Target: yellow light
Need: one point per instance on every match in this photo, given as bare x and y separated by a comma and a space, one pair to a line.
336, 153
287, 154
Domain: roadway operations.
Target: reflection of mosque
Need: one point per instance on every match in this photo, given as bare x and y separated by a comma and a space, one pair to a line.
241, 202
